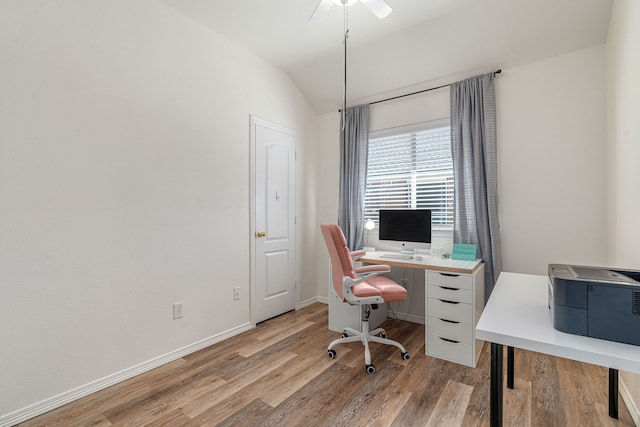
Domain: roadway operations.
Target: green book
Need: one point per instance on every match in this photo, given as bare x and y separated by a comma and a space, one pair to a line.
464, 252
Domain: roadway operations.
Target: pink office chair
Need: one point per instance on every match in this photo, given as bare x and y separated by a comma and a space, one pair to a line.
360, 286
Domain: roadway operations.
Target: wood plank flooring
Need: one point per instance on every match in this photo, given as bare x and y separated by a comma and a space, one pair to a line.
278, 374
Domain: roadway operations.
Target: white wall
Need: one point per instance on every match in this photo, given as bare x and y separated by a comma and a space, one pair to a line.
328, 166
424, 107
623, 154
124, 187
551, 174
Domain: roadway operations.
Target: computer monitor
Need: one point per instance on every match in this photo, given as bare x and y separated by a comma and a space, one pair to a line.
405, 229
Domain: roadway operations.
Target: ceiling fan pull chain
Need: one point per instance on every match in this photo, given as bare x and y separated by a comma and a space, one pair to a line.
344, 87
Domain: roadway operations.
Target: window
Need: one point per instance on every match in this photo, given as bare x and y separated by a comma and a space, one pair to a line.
411, 168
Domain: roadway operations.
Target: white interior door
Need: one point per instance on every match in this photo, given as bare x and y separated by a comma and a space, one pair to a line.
274, 227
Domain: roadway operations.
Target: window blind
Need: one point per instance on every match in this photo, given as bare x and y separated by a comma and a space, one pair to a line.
411, 170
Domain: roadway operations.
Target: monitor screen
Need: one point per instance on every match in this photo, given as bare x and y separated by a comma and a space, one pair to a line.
412, 228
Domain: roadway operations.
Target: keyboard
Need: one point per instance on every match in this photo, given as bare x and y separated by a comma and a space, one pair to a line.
396, 256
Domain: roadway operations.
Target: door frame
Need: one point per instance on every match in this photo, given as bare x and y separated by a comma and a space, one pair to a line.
255, 120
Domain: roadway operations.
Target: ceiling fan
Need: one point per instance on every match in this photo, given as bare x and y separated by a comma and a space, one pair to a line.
379, 7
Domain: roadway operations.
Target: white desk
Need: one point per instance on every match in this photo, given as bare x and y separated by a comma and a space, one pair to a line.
427, 263
517, 315
454, 298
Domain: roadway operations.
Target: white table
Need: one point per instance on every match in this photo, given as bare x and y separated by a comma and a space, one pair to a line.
517, 315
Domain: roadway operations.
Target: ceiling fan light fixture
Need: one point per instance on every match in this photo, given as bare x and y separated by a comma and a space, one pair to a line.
380, 8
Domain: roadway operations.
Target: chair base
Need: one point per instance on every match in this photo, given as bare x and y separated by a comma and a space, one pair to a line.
378, 335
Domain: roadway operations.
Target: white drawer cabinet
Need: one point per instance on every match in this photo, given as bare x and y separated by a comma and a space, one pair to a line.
449, 310
456, 331
453, 305
444, 348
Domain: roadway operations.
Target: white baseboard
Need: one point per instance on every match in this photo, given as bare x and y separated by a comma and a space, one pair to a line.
406, 316
54, 402
307, 303
628, 400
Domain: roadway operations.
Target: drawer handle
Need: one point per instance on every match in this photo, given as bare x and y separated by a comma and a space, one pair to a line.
448, 340
449, 321
449, 274
449, 302
449, 289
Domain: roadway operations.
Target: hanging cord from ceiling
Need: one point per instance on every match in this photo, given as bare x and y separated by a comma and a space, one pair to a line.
345, 23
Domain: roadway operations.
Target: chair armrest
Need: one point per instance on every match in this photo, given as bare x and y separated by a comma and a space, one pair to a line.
348, 283
373, 268
357, 254
365, 273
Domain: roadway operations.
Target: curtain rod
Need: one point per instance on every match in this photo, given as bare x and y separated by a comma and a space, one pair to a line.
416, 93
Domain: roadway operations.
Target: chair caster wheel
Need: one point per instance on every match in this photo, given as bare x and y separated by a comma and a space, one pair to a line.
383, 334
345, 335
406, 356
370, 369
332, 354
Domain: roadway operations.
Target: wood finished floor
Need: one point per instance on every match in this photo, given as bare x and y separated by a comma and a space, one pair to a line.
278, 374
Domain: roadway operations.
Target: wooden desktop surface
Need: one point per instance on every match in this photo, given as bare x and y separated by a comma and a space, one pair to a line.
427, 263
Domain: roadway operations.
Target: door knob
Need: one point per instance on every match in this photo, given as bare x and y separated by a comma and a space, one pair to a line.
261, 234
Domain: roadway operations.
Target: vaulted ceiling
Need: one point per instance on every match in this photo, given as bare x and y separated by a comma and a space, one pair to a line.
420, 44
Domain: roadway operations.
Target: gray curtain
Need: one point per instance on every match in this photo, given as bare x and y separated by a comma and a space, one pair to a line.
354, 145
473, 144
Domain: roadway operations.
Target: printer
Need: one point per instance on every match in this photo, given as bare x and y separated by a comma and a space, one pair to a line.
595, 302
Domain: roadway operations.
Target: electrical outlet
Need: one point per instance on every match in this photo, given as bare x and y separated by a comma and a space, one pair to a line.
236, 293
177, 310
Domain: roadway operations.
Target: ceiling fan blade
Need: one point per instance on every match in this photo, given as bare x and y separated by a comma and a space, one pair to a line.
321, 10
379, 7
